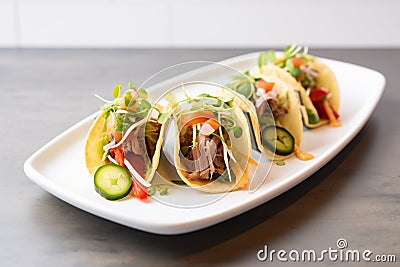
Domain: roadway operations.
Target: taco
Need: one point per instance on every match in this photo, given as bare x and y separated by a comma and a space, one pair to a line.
213, 146
311, 78
128, 133
274, 114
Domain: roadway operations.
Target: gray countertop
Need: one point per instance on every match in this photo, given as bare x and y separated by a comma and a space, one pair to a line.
355, 196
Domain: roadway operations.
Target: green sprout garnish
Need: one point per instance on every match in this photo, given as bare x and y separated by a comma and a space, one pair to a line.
214, 104
280, 163
117, 91
161, 188
244, 84
120, 106
171, 98
267, 56
286, 63
290, 51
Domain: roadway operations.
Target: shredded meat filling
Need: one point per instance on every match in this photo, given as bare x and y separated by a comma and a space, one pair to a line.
134, 149
142, 141
152, 134
276, 110
135, 142
205, 161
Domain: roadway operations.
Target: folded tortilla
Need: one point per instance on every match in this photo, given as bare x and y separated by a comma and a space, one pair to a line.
99, 135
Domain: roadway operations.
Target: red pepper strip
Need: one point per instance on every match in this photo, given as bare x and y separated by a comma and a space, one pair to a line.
324, 109
318, 94
318, 97
118, 155
138, 190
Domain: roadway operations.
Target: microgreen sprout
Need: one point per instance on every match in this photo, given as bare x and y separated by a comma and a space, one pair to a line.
161, 188
280, 163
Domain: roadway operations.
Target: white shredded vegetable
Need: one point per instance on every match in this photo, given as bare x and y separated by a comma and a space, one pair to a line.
226, 161
109, 145
231, 154
194, 136
106, 148
112, 160
102, 99
135, 174
225, 148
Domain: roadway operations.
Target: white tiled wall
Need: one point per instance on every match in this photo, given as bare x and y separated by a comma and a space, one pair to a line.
199, 23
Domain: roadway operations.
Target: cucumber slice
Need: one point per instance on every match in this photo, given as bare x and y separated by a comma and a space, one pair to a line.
112, 181
278, 140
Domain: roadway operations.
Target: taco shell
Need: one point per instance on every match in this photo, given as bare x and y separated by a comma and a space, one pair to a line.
95, 140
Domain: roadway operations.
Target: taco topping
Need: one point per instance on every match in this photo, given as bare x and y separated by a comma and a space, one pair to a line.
278, 139
204, 155
269, 102
152, 133
142, 141
134, 142
260, 92
298, 66
112, 181
293, 62
204, 143
267, 86
320, 99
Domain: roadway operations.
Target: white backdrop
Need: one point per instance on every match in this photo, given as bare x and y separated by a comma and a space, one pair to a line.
199, 23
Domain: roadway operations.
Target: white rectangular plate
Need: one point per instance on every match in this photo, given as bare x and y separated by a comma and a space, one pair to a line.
59, 166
